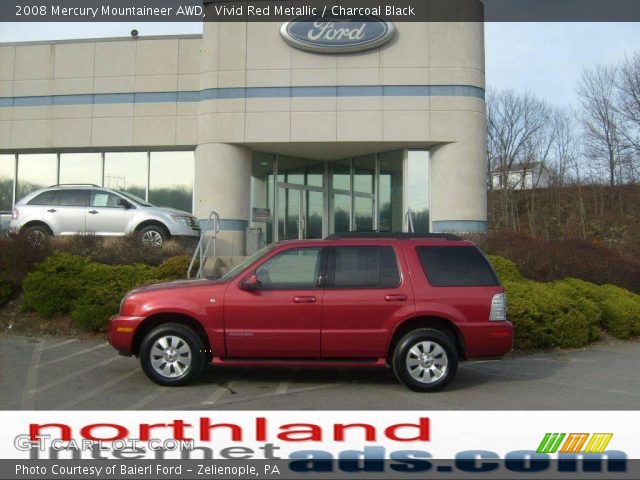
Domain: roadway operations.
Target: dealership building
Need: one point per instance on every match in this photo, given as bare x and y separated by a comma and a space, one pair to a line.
298, 129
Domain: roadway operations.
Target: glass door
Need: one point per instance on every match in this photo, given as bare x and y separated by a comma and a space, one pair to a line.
289, 214
300, 213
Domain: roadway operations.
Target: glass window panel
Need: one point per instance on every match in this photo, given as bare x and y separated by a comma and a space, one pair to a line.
314, 214
341, 213
341, 174
262, 189
44, 198
102, 199
288, 214
364, 169
36, 171
456, 267
171, 180
390, 192
365, 267
300, 171
72, 198
418, 189
7, 174
292, 269
363, 214
81, 168
126, 171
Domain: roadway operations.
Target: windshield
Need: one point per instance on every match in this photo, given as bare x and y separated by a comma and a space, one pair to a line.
136, 199
235, 271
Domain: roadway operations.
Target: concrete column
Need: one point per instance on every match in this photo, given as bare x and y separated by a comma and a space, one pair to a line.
458, 177
223, 183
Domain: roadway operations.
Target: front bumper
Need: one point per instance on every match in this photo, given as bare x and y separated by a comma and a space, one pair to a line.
181, 230
121, 331
487, 339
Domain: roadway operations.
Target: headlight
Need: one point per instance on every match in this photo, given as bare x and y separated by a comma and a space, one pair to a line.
122, 304
185, 220
15, 214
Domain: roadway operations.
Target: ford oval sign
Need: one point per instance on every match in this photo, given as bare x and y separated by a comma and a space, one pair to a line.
336, 35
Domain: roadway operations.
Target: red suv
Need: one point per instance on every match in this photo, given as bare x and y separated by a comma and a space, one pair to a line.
419, 303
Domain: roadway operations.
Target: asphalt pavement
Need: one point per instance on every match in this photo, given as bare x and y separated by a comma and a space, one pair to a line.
52, 373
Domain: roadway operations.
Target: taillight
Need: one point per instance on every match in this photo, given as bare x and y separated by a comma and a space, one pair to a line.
15, 214
498, 308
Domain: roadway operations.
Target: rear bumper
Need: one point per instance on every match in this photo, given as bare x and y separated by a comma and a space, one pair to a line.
490, 339
121, 331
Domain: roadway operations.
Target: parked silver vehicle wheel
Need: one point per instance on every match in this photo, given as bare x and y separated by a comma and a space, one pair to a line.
172, 355
37, 234
153, 236
425, 360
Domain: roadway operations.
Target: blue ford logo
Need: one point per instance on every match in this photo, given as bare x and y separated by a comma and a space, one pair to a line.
335, 35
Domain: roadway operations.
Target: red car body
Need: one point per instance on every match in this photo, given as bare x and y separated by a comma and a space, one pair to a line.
321, 325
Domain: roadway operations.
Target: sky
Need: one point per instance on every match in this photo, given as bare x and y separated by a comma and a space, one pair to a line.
545, 59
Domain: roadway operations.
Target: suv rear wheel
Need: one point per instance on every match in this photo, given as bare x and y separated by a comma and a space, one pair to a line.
172, 355
425, 360
37, 234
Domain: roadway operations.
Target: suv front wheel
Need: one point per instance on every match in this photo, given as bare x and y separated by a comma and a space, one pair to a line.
172, 355
153, 235
425, 360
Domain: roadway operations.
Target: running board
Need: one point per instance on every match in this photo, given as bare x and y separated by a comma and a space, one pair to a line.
298, 362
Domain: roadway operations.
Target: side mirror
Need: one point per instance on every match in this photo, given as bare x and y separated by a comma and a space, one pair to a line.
251, 283
124, 203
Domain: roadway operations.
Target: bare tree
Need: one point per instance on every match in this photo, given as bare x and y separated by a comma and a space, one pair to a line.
600, 118
516, 138
628, 86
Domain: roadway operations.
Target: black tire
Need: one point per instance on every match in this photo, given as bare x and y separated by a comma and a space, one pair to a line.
37, 234
153, 235
436, 365
158, 355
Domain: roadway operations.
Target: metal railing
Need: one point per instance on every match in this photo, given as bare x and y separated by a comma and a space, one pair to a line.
202, 249
410, 227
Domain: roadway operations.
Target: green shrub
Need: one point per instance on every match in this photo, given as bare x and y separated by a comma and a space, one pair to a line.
6, 290
546, 316
89, 291
93, 309
506, 269
54, 286
175, 268
586, 305
620, 312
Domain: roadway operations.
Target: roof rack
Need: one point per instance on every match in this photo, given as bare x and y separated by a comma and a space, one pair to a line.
399, 235
74, 185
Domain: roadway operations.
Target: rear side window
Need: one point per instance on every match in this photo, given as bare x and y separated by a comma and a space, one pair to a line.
73, 198
364, 267
456, 267
42, 199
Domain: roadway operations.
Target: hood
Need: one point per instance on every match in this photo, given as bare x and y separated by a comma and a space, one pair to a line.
174, 211
174, 285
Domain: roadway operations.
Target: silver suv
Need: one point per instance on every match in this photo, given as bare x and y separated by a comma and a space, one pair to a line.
76, 209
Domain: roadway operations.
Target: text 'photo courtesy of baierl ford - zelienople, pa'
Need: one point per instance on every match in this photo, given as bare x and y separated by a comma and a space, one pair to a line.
319, 239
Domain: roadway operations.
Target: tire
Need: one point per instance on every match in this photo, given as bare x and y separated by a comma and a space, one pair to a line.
425, 360
172, 355
37, 234
153, 235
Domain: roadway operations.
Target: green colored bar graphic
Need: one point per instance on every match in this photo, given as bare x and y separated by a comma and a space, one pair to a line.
551, 442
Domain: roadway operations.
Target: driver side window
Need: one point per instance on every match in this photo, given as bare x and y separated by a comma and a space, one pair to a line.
297, 268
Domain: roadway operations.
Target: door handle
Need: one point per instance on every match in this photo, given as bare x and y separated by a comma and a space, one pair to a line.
304, 299
93, 212
52, 210
396, 298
